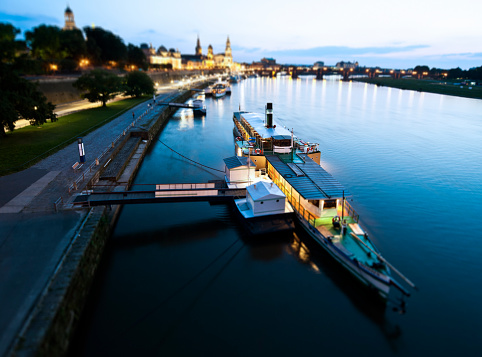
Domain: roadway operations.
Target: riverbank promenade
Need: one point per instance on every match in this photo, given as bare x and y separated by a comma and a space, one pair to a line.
38, 224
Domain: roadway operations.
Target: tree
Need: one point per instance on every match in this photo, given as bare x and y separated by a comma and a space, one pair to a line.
9, 47
73, 43
100, 85
20, 98
44, 41
421, 69
138, 83
456, 73
136, 57
103, 46
475, 73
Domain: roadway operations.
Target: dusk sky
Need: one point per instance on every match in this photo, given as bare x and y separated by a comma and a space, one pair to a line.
390, 34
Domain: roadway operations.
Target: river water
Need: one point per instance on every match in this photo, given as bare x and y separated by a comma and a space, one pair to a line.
183, 279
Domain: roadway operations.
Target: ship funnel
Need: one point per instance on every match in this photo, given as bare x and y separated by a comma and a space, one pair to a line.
269, 115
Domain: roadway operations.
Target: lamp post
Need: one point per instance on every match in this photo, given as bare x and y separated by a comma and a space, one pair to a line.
80, 144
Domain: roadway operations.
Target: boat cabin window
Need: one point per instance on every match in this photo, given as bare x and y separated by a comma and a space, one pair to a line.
330, 204
314, 202
284, 142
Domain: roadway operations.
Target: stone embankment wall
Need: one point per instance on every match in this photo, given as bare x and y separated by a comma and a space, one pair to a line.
60, 90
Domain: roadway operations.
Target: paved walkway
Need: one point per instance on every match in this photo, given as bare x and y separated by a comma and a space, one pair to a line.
33, 236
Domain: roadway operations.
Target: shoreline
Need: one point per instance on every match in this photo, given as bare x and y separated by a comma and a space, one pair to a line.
426, 85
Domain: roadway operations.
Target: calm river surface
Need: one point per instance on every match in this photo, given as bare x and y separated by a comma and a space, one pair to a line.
182, 280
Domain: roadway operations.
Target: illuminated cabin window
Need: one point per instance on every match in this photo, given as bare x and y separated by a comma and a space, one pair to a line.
330, 204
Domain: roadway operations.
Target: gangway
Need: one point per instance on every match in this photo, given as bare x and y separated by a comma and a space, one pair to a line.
179, 105
164, 193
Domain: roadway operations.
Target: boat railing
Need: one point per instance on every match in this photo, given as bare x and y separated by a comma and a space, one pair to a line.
300, 209
184, 186
351, 212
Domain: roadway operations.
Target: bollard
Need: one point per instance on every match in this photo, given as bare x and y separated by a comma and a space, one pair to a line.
97, 162
75, 185
112, 144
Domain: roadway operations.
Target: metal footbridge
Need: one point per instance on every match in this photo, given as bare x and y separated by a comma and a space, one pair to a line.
164, 193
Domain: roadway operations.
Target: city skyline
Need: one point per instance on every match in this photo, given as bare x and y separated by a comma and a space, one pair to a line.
373, 33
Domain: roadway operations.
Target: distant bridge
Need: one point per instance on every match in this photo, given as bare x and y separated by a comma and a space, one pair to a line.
346, 73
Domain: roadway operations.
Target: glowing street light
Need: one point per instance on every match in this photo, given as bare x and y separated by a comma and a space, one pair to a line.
84, 62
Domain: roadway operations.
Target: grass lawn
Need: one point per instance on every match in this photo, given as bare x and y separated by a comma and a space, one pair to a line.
427, 85
26, 146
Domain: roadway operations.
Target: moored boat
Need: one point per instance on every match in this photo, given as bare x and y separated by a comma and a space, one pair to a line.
264, 210
318, 200
199, 108
220, 89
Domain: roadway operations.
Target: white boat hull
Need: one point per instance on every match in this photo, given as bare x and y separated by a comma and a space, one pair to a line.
219, 94
366, 275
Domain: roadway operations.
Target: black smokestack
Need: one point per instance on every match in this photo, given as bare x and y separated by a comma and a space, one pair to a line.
269, 115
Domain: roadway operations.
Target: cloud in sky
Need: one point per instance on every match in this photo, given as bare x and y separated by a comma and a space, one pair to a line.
26, 22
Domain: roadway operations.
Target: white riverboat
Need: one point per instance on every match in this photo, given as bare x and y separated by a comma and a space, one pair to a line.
318, 200
264, 210
220, 89
198, 107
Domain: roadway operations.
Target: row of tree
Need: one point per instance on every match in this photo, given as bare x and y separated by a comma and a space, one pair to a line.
454, 73
20, 98
101, 86
47, 45
49, 48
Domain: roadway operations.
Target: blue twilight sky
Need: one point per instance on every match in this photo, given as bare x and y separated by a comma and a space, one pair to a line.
387, 33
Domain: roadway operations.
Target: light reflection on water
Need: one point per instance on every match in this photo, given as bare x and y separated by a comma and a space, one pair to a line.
414, 166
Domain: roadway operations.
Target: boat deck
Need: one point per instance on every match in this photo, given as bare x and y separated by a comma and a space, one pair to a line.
346, 242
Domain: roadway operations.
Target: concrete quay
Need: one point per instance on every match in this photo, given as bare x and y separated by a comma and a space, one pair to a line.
49, 250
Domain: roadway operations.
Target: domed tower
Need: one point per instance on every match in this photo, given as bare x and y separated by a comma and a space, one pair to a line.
69, 19
210, 52
228, 53
199, 50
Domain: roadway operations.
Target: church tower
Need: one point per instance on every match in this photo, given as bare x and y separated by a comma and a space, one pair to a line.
199, 50
210, 52
69, 20
228, 53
